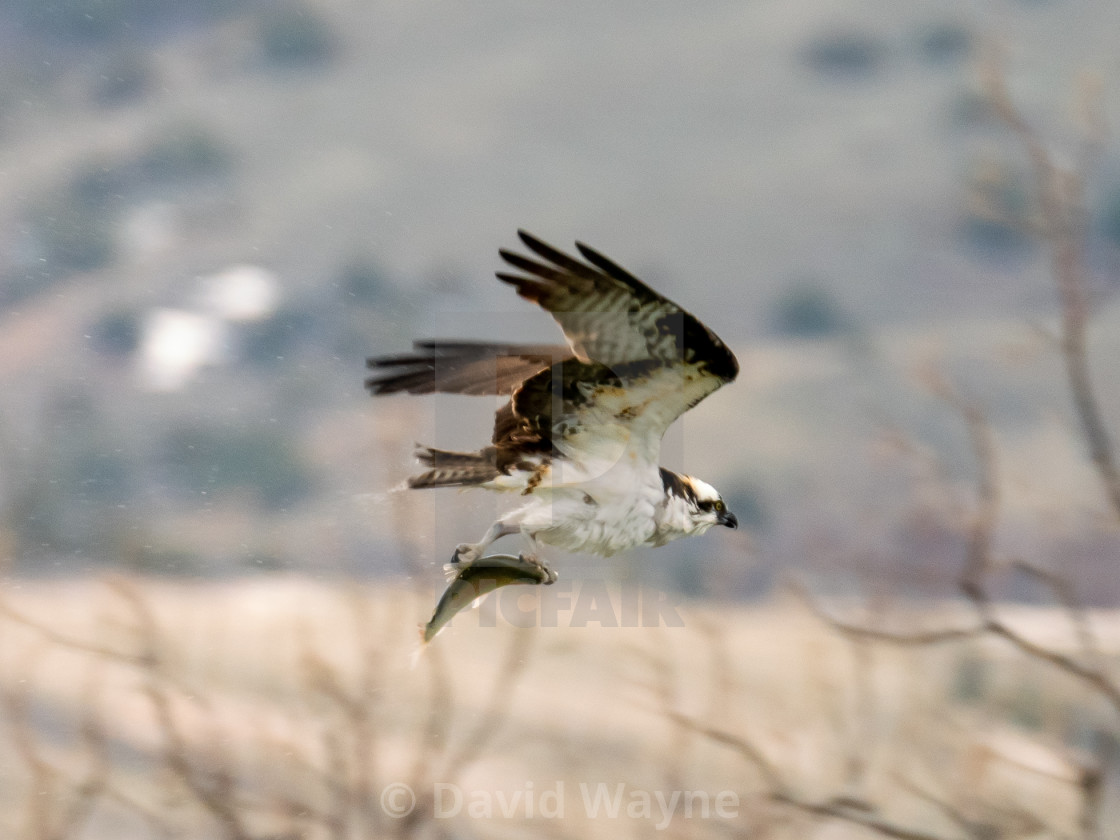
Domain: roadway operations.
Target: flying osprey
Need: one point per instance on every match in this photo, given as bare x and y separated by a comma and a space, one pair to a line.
581, 434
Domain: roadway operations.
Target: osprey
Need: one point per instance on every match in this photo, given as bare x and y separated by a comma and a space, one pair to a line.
580, 437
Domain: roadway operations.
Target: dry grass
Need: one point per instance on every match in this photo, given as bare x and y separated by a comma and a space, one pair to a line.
284, 707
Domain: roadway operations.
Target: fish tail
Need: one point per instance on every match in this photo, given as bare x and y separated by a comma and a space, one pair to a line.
454, 469
418, 650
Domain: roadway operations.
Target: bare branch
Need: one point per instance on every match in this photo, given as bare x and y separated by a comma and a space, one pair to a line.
501, 695
744, 748
51, 635
1061, 194
95, 782
59, 805
858, 813
925, 638
978, 549
978, 561
866, 817
1089, 675
215, 794
1062, 589
433, 735
968, 826
44, 776
1092, 794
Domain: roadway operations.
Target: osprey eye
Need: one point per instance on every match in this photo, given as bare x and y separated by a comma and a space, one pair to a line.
718, 506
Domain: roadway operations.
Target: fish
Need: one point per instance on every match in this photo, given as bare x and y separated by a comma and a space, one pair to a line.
471, 581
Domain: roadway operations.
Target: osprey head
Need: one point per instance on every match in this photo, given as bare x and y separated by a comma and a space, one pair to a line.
693, 505
707, 506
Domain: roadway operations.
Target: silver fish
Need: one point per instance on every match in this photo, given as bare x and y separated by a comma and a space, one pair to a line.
470, 581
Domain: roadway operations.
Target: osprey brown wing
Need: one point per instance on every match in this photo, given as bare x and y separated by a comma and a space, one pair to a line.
610, 316
635, 359
461, 367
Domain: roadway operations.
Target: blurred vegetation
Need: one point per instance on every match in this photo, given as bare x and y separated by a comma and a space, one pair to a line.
945, 42
217, 462
1110, 217
65, 484
74, 226
116, 334
176, 157
124, 77
272, 341
100, 21
72, 234
295, 34
846, 53
970, 679
364, 282
997, 222
807, 310
181, 154
148, 558
101, 475
747, 502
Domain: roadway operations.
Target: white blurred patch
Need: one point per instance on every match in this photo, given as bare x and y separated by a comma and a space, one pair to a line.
150, 229
175, 344
240, 293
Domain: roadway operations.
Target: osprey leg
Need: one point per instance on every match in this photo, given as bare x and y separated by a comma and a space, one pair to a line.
468, 553
533, 558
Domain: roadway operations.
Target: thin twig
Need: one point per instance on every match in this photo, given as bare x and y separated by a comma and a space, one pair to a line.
1092, 794
965, 824
496, 708
95, 782
1087, 674
44, 776
62, 640
746, 750
1062, 589
433, 738
920, 638
978, 560
216, 795
978, 546
778, 791
867, 818
1061, 195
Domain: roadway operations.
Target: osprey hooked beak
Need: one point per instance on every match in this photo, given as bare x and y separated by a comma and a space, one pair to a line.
727, 518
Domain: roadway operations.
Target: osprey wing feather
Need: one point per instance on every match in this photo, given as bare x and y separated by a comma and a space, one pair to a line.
624, 335
461, 367
634, 359
610, 316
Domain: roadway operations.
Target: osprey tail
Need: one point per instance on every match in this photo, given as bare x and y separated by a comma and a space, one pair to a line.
454, 469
